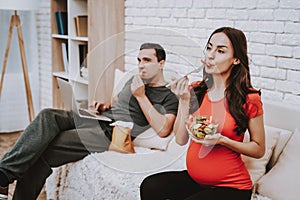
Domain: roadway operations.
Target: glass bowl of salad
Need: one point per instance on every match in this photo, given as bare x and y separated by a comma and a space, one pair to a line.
200, 127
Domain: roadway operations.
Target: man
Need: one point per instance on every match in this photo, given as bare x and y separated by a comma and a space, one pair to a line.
57, 137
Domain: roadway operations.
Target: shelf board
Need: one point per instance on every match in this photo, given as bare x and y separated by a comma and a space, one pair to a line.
59, 36
85, 39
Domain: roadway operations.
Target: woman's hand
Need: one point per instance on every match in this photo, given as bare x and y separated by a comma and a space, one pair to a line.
181, 88
209, 140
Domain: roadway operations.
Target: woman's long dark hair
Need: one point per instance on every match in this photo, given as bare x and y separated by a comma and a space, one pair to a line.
238, 83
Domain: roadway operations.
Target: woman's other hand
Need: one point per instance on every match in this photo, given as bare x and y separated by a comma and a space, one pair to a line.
209, 140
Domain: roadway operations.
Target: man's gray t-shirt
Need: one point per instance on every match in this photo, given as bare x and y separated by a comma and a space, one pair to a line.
127, 108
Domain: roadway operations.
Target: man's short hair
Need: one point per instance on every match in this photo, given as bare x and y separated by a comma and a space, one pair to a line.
159, 50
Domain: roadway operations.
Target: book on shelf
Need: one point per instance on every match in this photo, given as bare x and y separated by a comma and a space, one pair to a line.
81, 25
64, 51
83, 51
61, 18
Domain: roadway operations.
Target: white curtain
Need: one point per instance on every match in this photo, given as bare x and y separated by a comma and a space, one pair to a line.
13, 104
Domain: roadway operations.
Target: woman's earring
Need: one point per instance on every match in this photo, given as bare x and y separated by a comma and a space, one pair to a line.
236, 61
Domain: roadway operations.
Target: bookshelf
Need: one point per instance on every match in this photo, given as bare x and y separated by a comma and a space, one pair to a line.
102, 22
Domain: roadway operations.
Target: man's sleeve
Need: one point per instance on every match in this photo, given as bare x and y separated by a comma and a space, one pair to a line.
171, 104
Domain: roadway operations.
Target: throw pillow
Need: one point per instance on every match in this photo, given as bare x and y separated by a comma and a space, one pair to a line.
283, 180
281, 143
150, 139
257, 167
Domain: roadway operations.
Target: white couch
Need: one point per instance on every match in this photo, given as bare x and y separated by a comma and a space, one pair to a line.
112, 175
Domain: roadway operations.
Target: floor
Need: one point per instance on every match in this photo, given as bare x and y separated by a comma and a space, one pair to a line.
7, 140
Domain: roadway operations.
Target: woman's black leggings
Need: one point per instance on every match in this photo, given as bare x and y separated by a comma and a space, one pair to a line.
179, 185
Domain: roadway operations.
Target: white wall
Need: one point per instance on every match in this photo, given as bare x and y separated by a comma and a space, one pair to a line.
37, 41
44, 47
13, 104
271, 26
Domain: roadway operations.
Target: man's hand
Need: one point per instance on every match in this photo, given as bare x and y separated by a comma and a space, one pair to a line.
101, 106
137, 86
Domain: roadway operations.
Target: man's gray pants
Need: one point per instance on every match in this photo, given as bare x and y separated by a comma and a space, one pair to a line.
55, 137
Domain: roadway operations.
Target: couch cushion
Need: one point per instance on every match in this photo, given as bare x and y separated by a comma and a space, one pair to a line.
282, 181
150, 139
257, 167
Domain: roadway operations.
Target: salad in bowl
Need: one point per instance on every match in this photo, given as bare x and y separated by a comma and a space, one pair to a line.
200, 127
